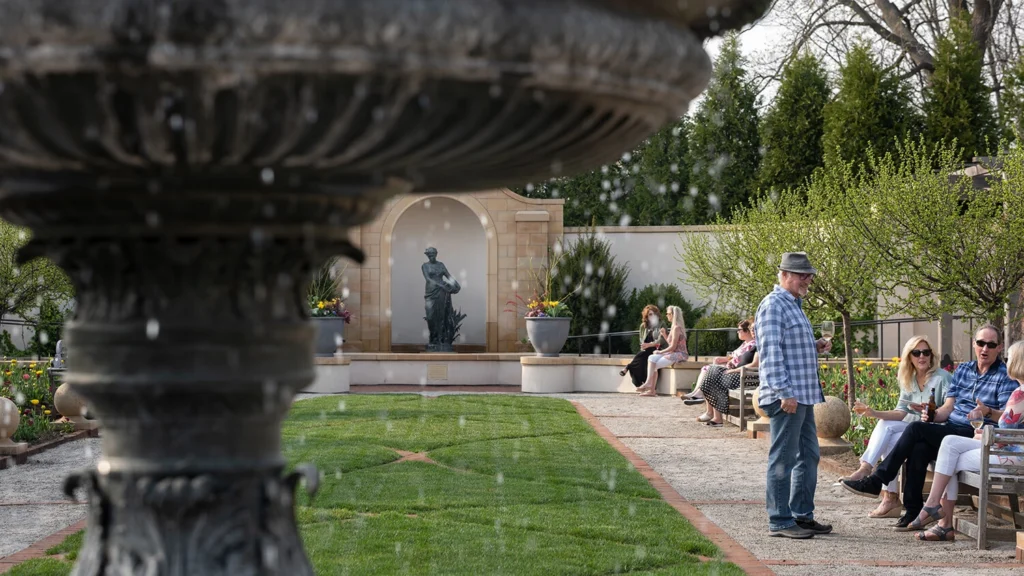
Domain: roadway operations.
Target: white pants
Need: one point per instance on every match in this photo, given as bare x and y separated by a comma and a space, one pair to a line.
883, 439
957, 454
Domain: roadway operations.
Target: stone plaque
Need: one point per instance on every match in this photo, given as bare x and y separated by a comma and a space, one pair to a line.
437, 372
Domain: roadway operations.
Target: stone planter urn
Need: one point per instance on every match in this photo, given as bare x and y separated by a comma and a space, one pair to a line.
548, 335
330, 332
189, 163
832, 418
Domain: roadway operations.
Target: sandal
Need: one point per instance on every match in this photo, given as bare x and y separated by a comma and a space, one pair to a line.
703, 418
713, 424
894, 512
937, 534
934, 515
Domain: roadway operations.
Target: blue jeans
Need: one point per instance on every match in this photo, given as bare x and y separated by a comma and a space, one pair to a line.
792, 465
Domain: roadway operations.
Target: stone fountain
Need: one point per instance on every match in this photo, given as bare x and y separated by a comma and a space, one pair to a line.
189, 163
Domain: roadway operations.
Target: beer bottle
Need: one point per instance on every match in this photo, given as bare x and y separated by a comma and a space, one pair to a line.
931, 406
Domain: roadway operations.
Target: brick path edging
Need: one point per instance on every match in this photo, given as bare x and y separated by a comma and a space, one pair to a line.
732, 550
38, 550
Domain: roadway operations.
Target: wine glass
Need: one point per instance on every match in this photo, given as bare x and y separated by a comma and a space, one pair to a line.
977, 423
828, 331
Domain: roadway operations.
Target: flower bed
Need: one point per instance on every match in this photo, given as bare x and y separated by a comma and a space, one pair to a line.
876, 386
29, 386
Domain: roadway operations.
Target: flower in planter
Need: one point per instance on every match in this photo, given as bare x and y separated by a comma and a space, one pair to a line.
25, 376
39, 372
35, 402
47, 412
334, 308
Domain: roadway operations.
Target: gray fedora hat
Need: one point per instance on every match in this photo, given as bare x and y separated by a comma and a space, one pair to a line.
797, 262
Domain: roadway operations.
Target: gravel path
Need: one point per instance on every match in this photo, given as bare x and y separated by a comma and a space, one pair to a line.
722, 472
32, 501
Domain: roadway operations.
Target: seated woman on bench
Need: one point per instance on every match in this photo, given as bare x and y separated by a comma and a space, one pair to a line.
920, 378
722, 378
738, 357
957, 454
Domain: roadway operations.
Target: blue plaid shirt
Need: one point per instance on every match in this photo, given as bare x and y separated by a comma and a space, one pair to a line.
788, 351
993, 388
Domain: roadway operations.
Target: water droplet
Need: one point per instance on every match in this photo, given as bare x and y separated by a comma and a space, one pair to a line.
152, 219
44, 338
312, 115
500, 478
103, 467
341, 406
267, 176
268, 208
495, 91
627, 157
462, 421
175, 122
152, 328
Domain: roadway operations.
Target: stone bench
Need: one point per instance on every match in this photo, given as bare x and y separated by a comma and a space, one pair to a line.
566, 374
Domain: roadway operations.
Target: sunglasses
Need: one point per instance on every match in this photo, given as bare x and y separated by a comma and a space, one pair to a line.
919, 353
986, 344
802, 276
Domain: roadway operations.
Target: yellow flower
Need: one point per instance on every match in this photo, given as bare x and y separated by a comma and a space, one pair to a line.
14, 362
32, 366
7, 373
35, 402
859, 369
320, 305
39, 372
824, 366
47, 412
895, 359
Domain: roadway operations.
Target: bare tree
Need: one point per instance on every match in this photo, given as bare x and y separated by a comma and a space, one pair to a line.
904, 32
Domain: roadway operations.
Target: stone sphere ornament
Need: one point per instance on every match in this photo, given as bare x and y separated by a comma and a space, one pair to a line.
832, 418
189, 163
10, 418
72, 406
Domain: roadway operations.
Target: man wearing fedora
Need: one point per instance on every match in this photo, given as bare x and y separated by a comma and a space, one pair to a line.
789, 390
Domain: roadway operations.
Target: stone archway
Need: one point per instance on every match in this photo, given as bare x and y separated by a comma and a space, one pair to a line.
387, 253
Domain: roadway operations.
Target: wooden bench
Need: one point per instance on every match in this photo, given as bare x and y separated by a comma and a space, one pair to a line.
742, 398
995, 480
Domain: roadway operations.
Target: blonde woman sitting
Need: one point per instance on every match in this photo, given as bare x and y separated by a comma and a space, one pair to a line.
674, 352
920, 379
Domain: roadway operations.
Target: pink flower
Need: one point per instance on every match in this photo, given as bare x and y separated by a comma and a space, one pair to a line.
1010, 418
25, 376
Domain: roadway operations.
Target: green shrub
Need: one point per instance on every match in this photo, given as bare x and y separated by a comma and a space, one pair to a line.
588, 267
662, 296
714, 343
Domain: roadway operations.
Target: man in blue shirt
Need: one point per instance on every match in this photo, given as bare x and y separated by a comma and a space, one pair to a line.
980, 389
789, 389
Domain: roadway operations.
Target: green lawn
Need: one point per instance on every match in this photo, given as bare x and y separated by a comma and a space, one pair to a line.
520, 486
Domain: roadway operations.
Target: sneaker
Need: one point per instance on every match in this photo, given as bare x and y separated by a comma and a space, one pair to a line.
869, 487
795, 532
814, 526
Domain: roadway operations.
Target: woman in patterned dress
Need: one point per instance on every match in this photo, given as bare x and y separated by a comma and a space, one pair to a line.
674, 352
720, 379
957, 454
744, 353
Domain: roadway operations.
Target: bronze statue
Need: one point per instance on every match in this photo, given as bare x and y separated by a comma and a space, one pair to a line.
438, 301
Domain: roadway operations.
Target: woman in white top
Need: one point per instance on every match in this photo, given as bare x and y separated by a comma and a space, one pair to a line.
920, 378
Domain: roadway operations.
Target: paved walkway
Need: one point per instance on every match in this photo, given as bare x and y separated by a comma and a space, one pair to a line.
32, 502
722, 473
718, 471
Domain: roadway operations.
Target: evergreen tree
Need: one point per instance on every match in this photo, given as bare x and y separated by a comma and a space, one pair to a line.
1013, 101
725, 146
871, 110
659, 175
792, 130
957, 104
647, 187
